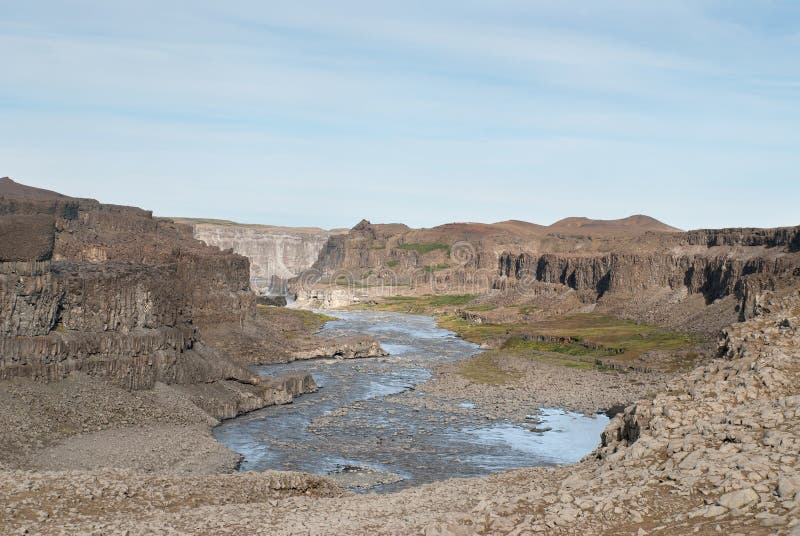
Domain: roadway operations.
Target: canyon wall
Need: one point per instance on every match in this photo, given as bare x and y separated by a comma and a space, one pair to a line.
276, 254
662, 276
114, 293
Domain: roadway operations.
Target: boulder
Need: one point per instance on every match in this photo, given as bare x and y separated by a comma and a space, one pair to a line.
739, 499
788, 486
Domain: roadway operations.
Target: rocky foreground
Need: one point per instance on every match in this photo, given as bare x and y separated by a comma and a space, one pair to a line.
715, 453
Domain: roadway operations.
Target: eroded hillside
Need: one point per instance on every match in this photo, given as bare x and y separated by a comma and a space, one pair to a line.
635, 268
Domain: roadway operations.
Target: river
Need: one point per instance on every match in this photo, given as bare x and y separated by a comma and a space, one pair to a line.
353, 423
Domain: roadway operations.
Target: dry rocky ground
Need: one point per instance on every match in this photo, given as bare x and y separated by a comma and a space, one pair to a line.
715, 453
511, 386
87, 423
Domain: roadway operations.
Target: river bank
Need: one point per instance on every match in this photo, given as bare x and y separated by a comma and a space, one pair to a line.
506, 385
85, 422
373, 421
434, 399
715, 454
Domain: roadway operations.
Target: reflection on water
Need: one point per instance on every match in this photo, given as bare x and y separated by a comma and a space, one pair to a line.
350, 421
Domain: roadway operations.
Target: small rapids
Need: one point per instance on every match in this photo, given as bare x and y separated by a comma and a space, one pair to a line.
354, 424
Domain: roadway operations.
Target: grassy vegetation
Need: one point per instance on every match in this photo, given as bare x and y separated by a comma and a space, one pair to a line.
477, 333
424, 248
635, 339
594, 336
450, 299
567, 348
310, 320
391, 264
481, 307
484, 369
420, 304
436, 268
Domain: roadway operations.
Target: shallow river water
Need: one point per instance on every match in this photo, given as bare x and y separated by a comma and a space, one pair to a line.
353, 421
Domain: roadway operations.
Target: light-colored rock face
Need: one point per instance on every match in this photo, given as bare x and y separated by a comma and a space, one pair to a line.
274, 252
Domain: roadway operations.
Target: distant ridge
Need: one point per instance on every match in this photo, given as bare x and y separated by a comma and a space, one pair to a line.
632, 225
637, 223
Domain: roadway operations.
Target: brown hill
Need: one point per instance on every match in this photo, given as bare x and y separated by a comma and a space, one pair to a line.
636, 224
517, 230
15, 190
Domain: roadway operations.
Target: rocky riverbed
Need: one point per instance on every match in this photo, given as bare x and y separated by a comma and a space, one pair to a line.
714, 454
373, 423
526, 382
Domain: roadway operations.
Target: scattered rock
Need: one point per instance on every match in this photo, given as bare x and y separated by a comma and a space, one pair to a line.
739, 499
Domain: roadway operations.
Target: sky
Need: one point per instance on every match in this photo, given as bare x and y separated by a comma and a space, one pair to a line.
423, 112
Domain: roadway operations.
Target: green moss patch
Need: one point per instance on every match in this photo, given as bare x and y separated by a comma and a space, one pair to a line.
422, 249
592, 335
419, 304
309, 319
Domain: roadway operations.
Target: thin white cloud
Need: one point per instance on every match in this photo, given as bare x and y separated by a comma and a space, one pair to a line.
420, 112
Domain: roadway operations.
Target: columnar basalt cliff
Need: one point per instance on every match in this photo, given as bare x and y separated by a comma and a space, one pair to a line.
717, 264
276, 254
111, 292
636, 267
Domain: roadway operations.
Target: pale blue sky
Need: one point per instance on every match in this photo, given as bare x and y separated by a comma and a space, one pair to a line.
323, 113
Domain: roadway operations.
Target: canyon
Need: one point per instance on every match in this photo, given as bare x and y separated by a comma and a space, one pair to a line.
126, 338
276, 254
634, 268
112, 296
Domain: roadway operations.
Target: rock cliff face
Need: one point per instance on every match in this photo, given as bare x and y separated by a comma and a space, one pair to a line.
112, 292
656, 274
276, 253
716, 264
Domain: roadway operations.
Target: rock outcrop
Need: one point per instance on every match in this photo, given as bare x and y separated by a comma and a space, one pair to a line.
112, 292
276, 254
636, 268
342, 348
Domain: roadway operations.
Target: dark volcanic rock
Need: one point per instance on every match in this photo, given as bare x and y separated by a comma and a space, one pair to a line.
26, 237
110, 291
275, 301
